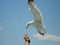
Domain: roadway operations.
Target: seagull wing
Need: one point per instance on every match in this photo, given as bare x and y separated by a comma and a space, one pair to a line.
36, 12
37, 17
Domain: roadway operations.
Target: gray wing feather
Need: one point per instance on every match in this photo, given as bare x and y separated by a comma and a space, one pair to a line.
36, 12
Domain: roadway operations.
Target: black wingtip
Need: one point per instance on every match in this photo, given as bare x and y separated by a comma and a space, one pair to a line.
30, 1
42, 34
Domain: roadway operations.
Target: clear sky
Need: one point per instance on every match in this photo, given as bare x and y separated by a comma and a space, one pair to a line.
14, 14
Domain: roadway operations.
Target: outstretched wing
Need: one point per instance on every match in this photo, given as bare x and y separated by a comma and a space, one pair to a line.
36, 12
41, 29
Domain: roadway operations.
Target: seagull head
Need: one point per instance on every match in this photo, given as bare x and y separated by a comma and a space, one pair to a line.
30, 1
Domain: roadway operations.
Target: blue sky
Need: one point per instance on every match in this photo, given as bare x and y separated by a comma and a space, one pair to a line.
14, 14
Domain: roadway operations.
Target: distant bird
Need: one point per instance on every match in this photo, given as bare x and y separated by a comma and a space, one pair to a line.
37, 22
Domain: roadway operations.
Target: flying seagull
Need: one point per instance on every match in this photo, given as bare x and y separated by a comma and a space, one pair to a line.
37, 22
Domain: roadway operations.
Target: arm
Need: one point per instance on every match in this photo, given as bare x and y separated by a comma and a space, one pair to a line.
27, 40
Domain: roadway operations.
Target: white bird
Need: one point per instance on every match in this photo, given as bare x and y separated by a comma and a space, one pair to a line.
37, 22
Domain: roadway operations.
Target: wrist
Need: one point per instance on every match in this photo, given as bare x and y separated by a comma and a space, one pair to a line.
27, 41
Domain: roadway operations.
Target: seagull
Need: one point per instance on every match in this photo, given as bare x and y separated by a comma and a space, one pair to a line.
37, 22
